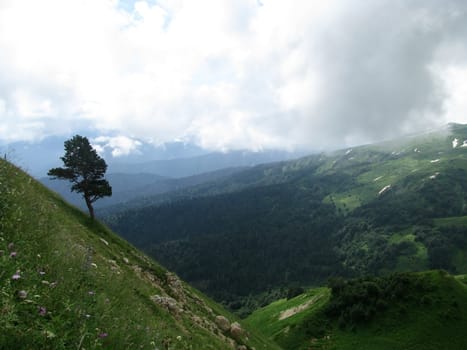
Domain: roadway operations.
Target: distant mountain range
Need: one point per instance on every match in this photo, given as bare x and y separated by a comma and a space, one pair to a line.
39, 156
173, 159
184, 167
137, 186
142, 180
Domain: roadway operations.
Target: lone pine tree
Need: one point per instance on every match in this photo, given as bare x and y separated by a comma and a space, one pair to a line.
85, 169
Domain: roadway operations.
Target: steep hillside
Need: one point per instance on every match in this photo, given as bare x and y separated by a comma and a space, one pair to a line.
68, 282
393, 206
402, 311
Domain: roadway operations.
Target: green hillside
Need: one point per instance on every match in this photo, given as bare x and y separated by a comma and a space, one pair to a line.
403, 311
67, 282
374, 209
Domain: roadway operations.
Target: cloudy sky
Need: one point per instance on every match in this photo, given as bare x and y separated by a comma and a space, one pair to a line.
231, 74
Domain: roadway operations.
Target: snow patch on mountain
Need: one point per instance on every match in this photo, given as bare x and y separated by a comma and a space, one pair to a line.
384, 190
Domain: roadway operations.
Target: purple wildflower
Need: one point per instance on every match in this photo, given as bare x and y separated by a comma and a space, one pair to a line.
16, 276
103, 335
13, 255
42, 311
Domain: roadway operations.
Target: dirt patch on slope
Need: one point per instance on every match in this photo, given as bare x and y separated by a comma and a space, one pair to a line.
296, 309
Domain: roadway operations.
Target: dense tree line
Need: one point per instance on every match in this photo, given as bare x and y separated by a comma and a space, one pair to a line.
359, 300
286, 234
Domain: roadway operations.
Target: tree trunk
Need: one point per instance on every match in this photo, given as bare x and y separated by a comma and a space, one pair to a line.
89, 205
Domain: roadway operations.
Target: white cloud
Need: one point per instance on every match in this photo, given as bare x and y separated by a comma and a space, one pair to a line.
118, 145
230, 73
455, 78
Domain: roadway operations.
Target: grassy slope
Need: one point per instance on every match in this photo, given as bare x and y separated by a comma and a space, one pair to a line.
407, 165
271, 321
389, 163
436, 319
67, 282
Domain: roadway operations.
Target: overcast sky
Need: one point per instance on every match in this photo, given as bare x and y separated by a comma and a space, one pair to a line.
232, 73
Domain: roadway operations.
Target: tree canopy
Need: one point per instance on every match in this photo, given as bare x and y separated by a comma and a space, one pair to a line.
85, 169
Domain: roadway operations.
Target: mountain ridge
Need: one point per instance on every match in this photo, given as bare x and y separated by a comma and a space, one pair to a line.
214, 161
366, 210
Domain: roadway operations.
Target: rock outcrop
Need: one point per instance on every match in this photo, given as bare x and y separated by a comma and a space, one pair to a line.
223, 323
